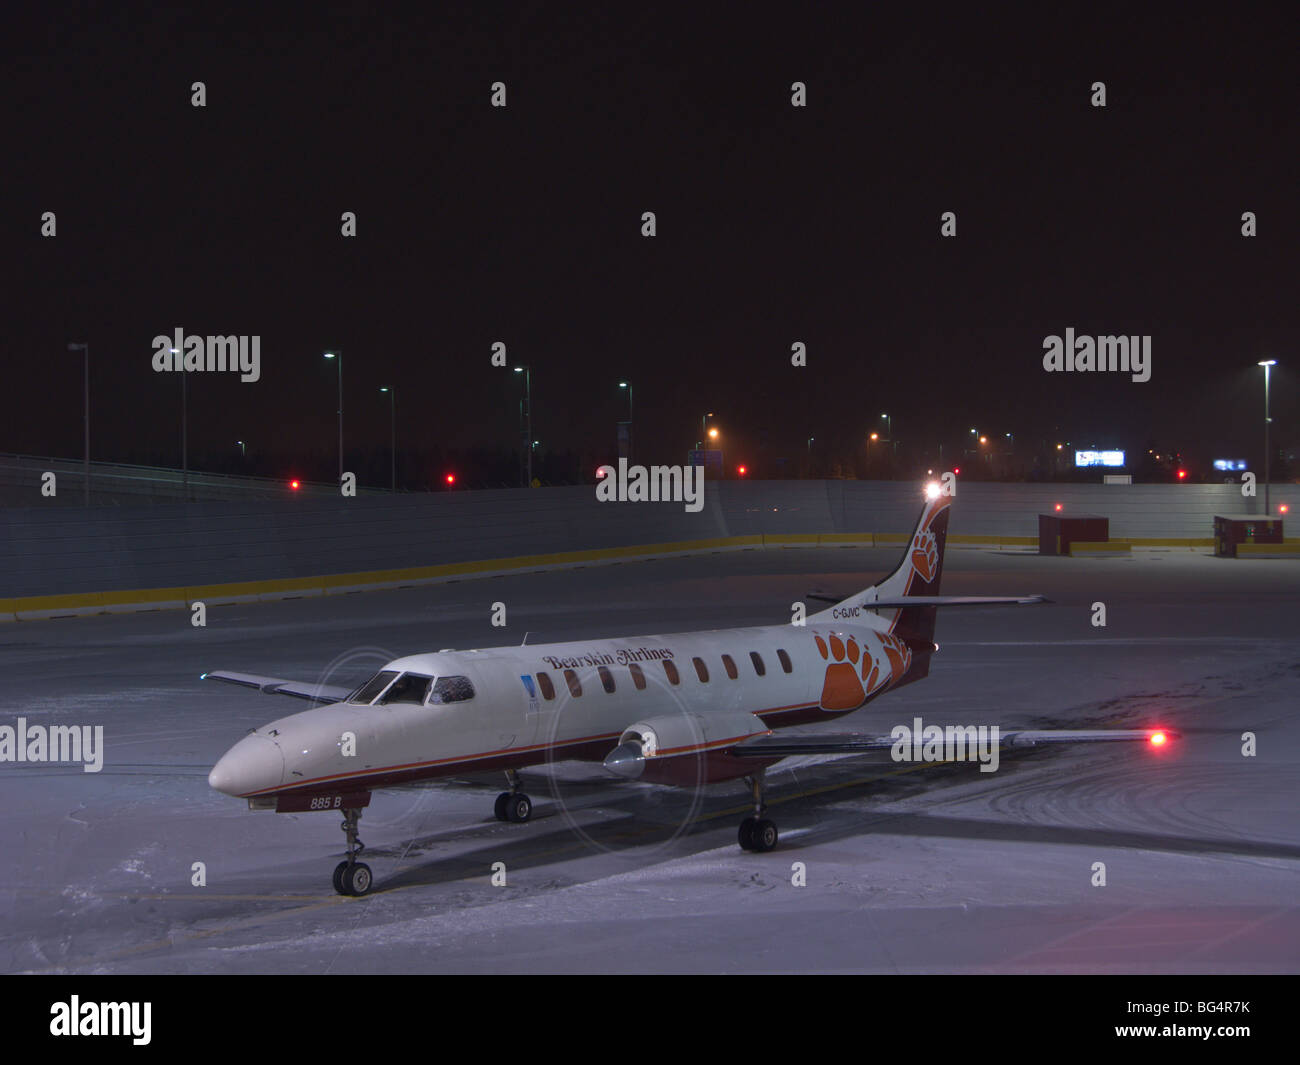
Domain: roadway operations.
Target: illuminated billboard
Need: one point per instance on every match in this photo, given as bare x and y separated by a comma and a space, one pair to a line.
1099, 458
1230, 464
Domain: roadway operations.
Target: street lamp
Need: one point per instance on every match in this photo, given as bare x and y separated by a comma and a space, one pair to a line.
1267, 364
339, 355
628, 386
185, 426
704, 431
527, 371
242, 451
84, 346
392, 417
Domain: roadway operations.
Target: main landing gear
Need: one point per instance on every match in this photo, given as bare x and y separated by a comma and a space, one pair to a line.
352, 877
757, 833
513, 805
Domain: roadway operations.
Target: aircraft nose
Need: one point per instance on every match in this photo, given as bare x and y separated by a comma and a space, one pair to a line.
253, 764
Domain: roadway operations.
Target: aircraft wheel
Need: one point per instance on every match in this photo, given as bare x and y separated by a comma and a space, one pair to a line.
357, 879
500, 808
338, 878
747, 833
519, 808
764, 837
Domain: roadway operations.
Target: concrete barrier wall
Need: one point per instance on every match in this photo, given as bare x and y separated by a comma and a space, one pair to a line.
47, 550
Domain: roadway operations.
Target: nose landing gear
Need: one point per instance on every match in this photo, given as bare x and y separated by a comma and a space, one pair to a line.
352, 877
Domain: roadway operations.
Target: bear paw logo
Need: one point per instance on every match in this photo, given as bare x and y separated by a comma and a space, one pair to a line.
842, 689
899, 655
925, 555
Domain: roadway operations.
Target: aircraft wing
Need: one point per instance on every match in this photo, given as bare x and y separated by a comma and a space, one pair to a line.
777, 746
317, 693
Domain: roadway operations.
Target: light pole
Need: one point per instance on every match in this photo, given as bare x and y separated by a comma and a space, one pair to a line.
392, 416
185, 430
84, 346
704, 431
339, 355
889, 432
242, 450
527, 371
628, 386
1267, 364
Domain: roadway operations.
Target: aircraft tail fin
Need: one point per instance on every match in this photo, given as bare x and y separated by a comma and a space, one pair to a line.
918, 573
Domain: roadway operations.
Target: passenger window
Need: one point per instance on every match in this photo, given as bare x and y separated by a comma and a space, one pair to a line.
408, 688
575, 685
638, 678
544, 682
670, 671
606, 679
701, 670
730, 667
367, 692
757, 659
451, 690
785, 661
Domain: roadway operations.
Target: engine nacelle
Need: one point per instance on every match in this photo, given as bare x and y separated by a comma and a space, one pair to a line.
686, 749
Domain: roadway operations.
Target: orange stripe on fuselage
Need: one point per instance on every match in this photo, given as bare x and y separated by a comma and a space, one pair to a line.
468, 761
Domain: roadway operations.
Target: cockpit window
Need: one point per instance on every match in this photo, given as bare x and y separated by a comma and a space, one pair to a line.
452, 690
367, 692
408, 688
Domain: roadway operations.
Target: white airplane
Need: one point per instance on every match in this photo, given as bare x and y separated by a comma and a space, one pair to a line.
684, 709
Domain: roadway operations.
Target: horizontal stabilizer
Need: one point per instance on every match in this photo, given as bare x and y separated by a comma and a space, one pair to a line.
953, 600
317, 693
933, 600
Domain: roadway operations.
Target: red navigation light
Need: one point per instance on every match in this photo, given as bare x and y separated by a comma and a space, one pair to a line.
1158, 739
1058, 506
956, 470
450, 479
740, 470
1182, 475
294, 484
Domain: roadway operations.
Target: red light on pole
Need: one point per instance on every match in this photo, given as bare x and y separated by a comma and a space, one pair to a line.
740, 470
294, 484
1182, 475
1058, 506
450, 479
956, 471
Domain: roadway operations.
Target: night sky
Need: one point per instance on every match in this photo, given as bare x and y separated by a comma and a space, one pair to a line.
776, 224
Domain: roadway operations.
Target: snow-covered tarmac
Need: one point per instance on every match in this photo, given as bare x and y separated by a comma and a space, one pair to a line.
908, 868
